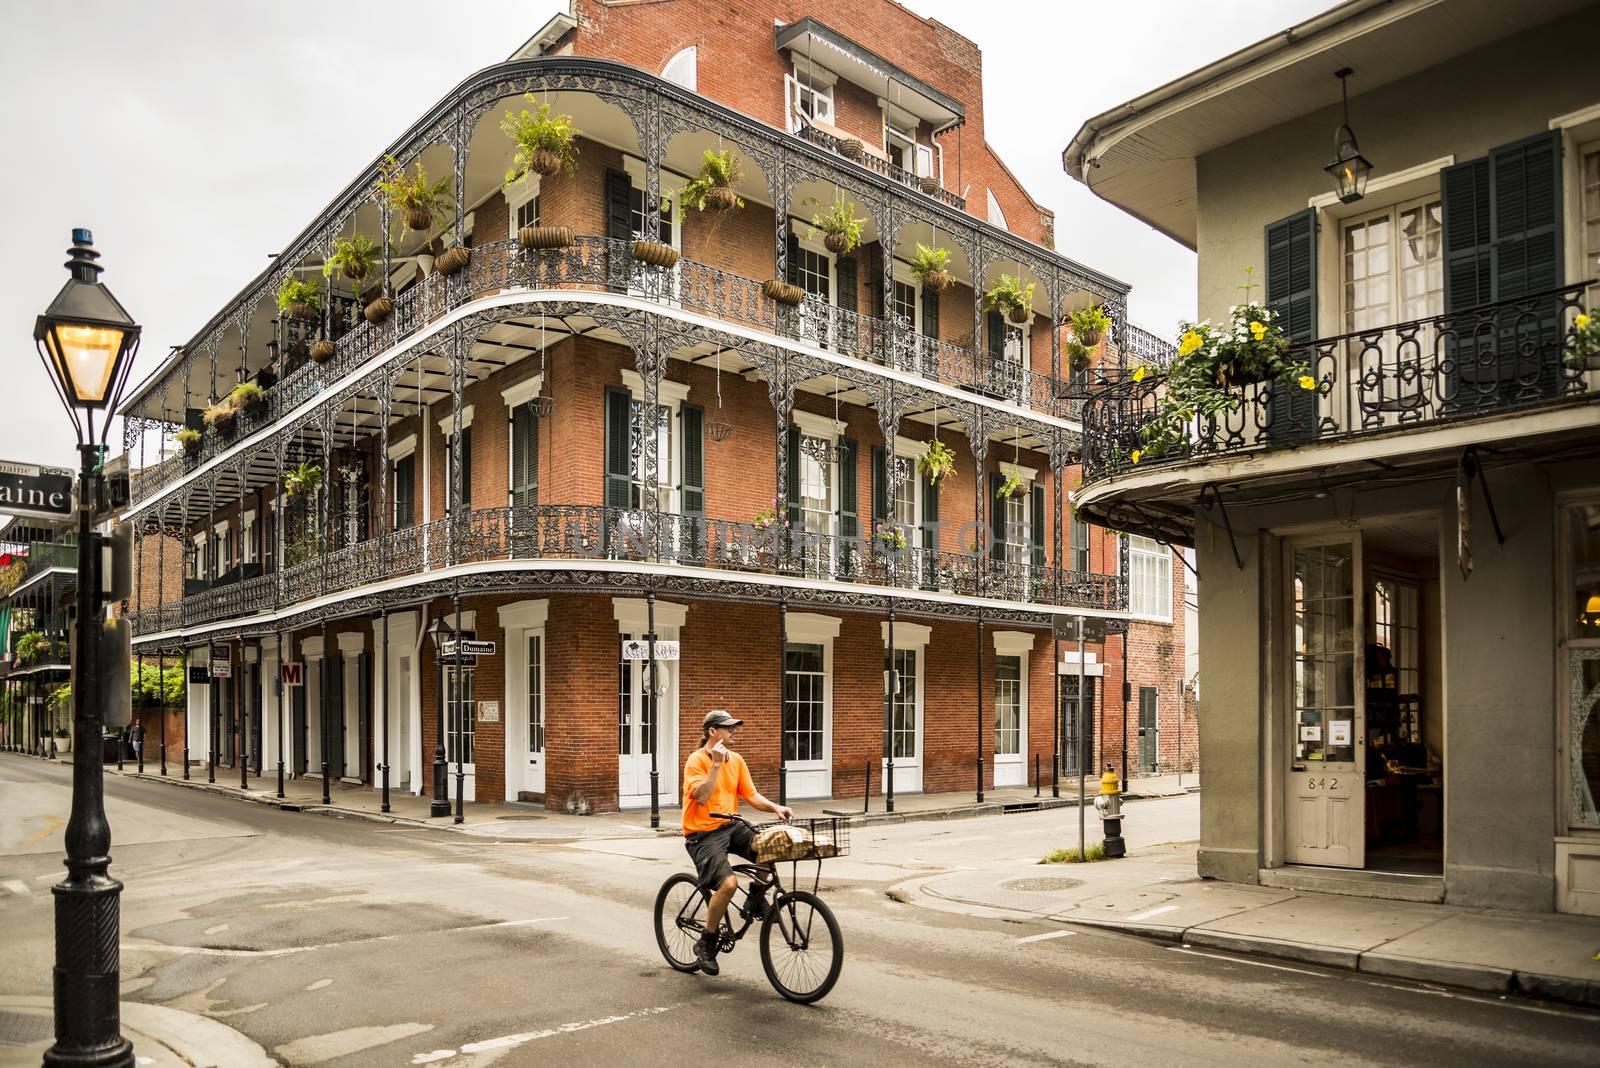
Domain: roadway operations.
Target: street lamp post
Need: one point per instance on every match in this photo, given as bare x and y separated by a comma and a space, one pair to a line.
440, 804
87, 342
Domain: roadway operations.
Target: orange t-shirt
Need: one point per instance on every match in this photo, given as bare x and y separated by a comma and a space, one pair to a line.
733, 782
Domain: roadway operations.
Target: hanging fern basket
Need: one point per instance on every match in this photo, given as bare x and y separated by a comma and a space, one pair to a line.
543, 406
720, 198
1020, 314
544, 162
936, 280
302, 311
418, 218
838, 244
852, 149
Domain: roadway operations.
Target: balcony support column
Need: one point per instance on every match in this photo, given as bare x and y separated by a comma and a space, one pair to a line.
280, 522
211, 353
890, 407
978, 427
452, 507
385, 401
325, 494
324, 691
780, 391
890, 688
980, 704
650, 360
211, 713
277, 693
184, 652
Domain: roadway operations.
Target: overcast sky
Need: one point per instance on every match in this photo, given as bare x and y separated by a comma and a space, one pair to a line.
196, 137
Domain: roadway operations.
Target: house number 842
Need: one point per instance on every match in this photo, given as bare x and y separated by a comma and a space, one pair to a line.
1322, 784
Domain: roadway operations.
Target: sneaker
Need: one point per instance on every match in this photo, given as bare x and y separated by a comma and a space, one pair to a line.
706, 953
755, 905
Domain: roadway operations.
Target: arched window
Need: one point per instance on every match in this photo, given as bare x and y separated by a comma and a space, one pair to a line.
996, 216
681, 68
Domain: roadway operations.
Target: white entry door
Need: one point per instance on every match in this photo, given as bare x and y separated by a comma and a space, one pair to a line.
807, 720
639, 703
460, 716
905, 722
402, 710
525, 757
1010, 721
1325, 792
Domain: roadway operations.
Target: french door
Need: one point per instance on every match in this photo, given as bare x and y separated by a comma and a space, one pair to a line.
1325, 821
1010, 722
904, 740
639, 704
460, 719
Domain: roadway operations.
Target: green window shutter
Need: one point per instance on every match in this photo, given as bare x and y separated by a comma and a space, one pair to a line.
297, 713
845, 273
997, 336
694, 448
930, 514
792, 260
466, 468
405, 491
1525, 226
619, 213
1037, 518
997, 516
1292, 297
363, 715
524, 457
930, 313
791, 484
849, 521
333, 705
619, 471
1464, 211
880, 486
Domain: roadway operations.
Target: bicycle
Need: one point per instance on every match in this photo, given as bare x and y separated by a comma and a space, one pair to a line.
802, 949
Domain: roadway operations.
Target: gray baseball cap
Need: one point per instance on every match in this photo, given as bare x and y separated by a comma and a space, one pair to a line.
720, 717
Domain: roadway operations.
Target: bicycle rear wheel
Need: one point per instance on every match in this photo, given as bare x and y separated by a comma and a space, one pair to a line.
680, 920
801, 947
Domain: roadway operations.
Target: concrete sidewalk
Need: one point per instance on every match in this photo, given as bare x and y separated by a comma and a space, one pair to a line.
161, 1037
1155, 893
530, 821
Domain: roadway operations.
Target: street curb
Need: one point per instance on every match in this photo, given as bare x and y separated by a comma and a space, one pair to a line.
189, 1037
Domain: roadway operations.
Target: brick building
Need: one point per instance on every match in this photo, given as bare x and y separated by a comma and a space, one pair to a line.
567, 409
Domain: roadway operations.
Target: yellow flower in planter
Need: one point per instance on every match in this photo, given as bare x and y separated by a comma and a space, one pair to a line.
1190, 341
1136, 455
1138, 372
1581, 322
1258, 330
1307, 382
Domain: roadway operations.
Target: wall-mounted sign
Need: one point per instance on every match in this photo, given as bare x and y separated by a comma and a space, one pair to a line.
198, 674
292, 674
222, 669
640, 650
467, 648
31, 490
488, 711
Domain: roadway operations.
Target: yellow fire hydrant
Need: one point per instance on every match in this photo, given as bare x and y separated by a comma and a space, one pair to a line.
1109, 805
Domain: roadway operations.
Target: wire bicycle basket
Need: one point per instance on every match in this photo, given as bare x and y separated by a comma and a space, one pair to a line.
802, 839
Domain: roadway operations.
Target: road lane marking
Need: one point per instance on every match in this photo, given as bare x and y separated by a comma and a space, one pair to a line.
220, 951
1148, 913
56, 822
1048, 934
1252, 963
512, 1041
17, 886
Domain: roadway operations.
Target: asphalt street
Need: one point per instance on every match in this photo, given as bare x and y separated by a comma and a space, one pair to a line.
344, 942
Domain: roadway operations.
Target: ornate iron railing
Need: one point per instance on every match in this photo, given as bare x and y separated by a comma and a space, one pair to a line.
597, 264
1493, 358
883, 167
591, 533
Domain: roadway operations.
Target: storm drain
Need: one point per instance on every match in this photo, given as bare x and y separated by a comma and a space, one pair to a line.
1041, 885
24, 1028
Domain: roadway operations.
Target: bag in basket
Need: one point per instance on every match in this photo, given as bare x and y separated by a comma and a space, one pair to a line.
792, 843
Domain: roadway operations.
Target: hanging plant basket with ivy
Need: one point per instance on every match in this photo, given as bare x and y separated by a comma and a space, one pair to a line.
712, 189
545, 237
930, 266
378, 310
1089, 324
352, 257
321, 352
1010, 296
839, 226
655, 254
419, 202
1013, 486
300, 298
938, 462
1080, 357
304, 479
546, 143
1213, 364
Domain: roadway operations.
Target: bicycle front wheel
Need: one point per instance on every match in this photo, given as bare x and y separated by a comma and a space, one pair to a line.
801, 947
680, 920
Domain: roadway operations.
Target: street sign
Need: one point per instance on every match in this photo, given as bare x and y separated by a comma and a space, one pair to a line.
292, 674
640, 650
198, 674
467, 648
222, 669
1094, 628
39, 492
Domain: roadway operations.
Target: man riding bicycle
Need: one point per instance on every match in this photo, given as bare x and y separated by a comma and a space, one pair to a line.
714, 780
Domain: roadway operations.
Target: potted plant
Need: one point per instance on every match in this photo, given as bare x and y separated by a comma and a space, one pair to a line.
1583, 351
416, 200
545, 143
63, 736
890, 537
352, 257
768, 517
1212, 365
1089, 324
852, 149
28, 646
1009, 295
840, 228
930, 184
248, 398
220, 416
452, 260
782, 292
303, 479
188, 440
712, 188
1012, 486
300, 298
929, 266
937, 462
322, 351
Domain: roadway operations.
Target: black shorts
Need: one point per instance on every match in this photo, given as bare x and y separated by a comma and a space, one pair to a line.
710, 851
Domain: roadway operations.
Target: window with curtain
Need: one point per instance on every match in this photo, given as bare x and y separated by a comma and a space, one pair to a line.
1149, 577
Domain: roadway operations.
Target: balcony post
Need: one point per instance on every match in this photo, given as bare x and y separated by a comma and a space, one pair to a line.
325, 497
1058, 462
978, 441
384, 766
184, 652
211, 353
280, 514
385, 520
241, 723
452, 507
780, 391
651, 365
277, 693
462, 712
211, 714
783, 676
161, 673
890, 408
891, 680
980, 704
980, 270
324, 687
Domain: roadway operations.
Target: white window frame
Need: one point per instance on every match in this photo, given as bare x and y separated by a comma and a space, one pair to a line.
636, 179
523, 191
1028, 475
220, 533
1149, 578
821, 89
515, 397
406, 446
199, 542
1589, 256
247, 539
829, 430
997, 217
1392, 213
808, 628
521, 621
683, 69
912, 637
1018, 644
903, 275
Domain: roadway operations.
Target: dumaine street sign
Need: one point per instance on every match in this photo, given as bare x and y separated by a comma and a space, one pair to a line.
40, 492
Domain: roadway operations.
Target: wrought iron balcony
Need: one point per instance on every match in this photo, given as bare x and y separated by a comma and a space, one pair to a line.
580, 533
1492, 359
599, 265
878, 165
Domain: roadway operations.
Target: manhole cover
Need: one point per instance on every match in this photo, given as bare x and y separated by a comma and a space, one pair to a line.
520, 816
24, 1029
1041, 885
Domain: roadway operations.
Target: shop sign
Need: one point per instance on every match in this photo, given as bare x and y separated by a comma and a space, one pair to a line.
292, 674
